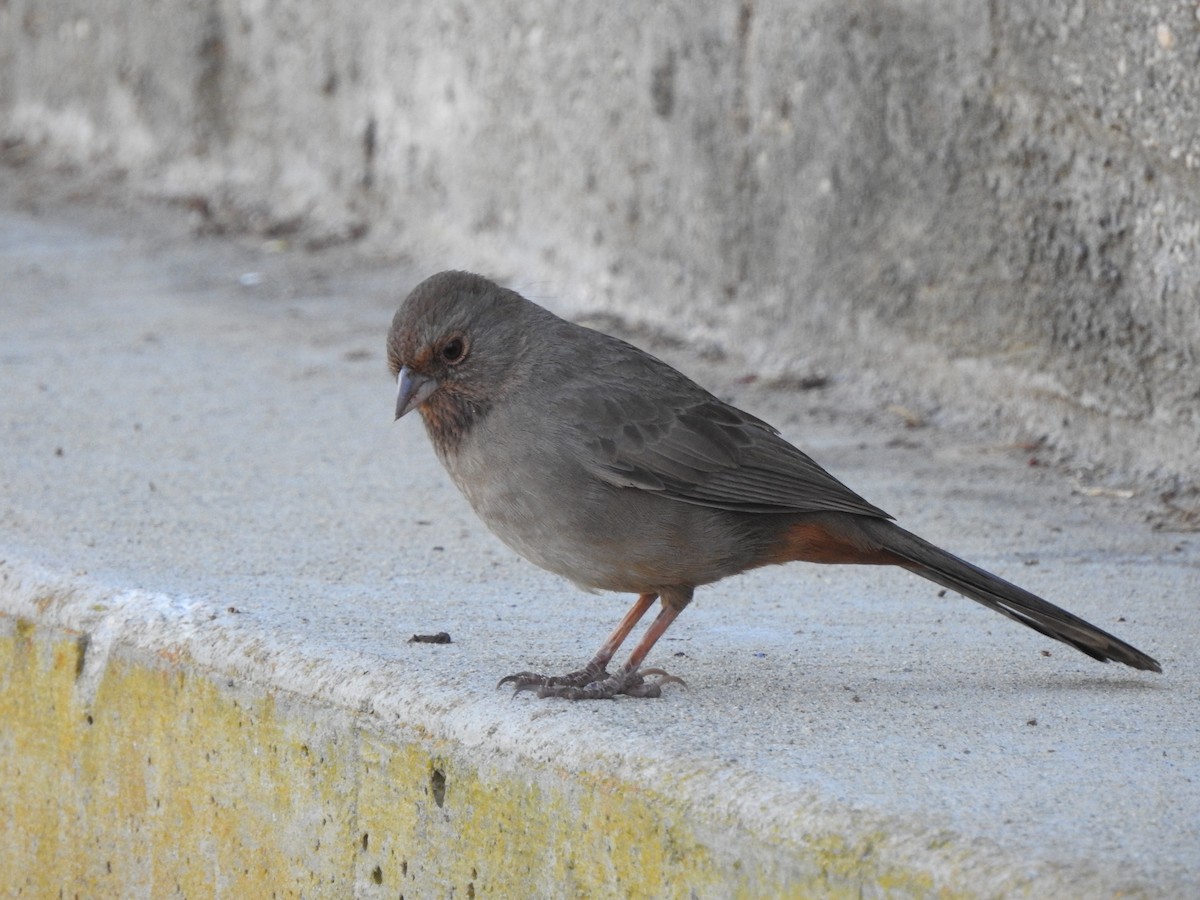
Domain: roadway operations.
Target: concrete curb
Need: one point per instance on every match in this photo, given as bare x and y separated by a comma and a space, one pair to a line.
154, 745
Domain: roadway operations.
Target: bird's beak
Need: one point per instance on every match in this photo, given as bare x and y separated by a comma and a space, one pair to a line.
412, 390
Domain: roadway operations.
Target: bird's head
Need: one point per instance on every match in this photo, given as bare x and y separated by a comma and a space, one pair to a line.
453, 346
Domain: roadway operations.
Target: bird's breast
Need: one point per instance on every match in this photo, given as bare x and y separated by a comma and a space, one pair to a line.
552, 511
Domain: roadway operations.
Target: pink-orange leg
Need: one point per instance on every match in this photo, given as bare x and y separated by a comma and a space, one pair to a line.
593, 682
609, 648
657, 629
597, 668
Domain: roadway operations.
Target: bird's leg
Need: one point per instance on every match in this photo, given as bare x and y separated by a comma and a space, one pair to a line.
630, 679
597, 668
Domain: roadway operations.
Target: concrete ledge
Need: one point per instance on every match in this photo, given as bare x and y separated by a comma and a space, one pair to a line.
146, 773
130, 766
215, 543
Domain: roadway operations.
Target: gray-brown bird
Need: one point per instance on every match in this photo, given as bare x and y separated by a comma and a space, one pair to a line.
603, 464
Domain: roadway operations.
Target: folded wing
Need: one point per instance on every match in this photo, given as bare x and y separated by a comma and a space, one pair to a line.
694, 448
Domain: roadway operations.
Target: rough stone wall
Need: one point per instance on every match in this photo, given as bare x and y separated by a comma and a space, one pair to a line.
991, 210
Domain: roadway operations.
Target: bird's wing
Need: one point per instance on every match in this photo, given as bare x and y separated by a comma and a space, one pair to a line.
689, 445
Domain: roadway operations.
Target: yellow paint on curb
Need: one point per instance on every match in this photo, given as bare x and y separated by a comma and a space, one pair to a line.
177, 782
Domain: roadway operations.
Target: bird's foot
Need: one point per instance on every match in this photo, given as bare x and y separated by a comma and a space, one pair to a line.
594, 683
525, 681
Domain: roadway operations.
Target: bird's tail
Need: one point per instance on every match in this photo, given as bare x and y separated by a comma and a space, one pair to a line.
937, 565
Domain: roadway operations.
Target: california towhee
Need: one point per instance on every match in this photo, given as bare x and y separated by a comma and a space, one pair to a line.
600, 463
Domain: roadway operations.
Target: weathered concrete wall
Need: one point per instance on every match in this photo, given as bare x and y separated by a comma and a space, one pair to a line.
991, 209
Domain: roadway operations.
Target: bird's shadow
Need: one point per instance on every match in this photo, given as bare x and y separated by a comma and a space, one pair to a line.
1093, 683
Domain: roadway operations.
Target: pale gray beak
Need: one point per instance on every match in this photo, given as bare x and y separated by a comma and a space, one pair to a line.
412, 390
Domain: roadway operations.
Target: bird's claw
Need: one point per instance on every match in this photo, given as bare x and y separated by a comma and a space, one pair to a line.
664, 677
528, 681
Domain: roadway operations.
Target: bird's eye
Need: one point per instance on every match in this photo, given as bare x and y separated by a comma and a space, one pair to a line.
454, 350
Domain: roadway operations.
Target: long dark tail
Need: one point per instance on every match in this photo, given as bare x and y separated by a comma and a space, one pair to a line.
937, 565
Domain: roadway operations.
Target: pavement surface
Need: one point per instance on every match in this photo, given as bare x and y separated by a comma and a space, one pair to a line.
202, 426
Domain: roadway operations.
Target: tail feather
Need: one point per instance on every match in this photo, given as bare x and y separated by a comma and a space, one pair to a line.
937, 565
